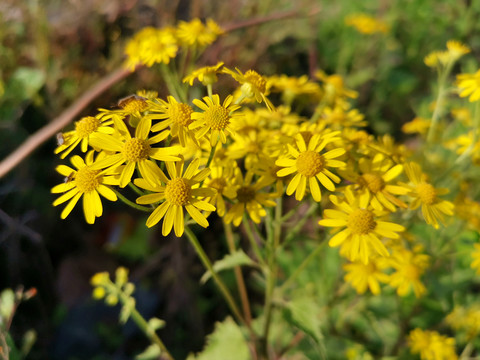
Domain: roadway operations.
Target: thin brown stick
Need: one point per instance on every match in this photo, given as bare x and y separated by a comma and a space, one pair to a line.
264, 19
48, 131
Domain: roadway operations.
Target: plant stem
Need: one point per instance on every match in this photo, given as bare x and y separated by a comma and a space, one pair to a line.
298, 226
135, 188
273, 243
303, 265
253, 241
131, 203
208, 264
143, 325
238, 276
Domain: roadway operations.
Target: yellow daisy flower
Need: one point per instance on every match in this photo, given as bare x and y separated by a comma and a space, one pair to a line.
134, 151
311, 165
456, 49
292, 87
207, 75
466, 319
431, 345
426, 195
248, 198
469, 85
476, 259
220, 180
87, 182
195, 33
366, 24
373, 181
85, 129
418, 125
366, 276
361, 237
132, 106
339, 118
254, 85
175, 115
178, 192
216, 118
409, 267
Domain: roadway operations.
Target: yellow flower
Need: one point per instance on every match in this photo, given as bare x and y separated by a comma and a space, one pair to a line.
248, 198
456, 49
292, 87
207, 75
175, 115
431, 345
409, 267
373, 181
466, 319
426, 195
254, 85
134, 151
362, 276
132, 106
195, 33
86, 182
361, 237
339, 118
334, 89
177, 193
216, 118
469, 85
310, 165
476, 258
220, 180
85, 129
417, 125
366, 24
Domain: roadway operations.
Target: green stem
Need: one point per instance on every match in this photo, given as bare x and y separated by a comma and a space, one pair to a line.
149, 332
273, 243
298, 226
209, 90
135, 188
442, 79
208, 264
302, 266
253, 241
131, 203
242, 289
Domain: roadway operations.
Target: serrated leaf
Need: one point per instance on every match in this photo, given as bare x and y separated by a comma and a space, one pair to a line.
152, 352
226, 342
301, 312
238, 258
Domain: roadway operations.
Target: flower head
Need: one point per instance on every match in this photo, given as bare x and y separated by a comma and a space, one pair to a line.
360, 238
134, 151
86, 182
366, 276
195, 33
174, 194
366, 24
207, 75
254, 85
431, 345
426, 195
469, 85
311, 165
216, 118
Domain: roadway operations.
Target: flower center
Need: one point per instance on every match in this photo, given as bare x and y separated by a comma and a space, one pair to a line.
310, 163
86, 126
87, 180
361, 221
178, 191
411, 272
136, 149
426, 192
133, 105
180, 114
218, 184
245, 194
217, 117
373, 182
256, 80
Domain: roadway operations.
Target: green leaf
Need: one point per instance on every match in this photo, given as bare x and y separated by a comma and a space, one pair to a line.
13, 352
238, 258
25, 83
152, 352
226, 342
302, 312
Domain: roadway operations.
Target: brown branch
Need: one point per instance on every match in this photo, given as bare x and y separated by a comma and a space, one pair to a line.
264, 19
57, 124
